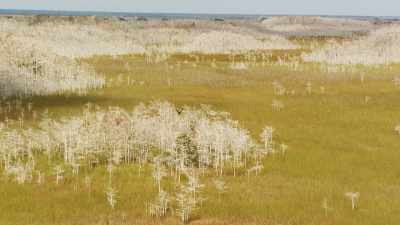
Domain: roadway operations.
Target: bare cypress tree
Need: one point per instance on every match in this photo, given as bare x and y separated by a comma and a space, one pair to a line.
353, 196
221, 187
59, 172
159, 207
397, 129
267, 138
111, 195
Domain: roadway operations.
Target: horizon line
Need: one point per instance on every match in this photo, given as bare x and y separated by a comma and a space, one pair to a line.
184, 13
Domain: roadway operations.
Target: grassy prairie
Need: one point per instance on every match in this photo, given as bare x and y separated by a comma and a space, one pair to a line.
338, 142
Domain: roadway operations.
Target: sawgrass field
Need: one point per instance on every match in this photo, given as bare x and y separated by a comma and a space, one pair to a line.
339, 126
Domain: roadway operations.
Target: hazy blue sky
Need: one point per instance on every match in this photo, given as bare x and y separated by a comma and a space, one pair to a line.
332, 7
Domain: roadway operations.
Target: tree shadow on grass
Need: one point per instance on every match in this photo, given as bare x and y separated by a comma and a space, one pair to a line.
56, 105
66, 101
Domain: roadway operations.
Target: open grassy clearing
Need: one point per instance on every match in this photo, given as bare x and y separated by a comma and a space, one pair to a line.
340, 133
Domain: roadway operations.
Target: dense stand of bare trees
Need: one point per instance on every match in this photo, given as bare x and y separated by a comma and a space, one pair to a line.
181, 144
380, 47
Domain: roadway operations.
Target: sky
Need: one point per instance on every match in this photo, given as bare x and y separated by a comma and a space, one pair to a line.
303, 7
